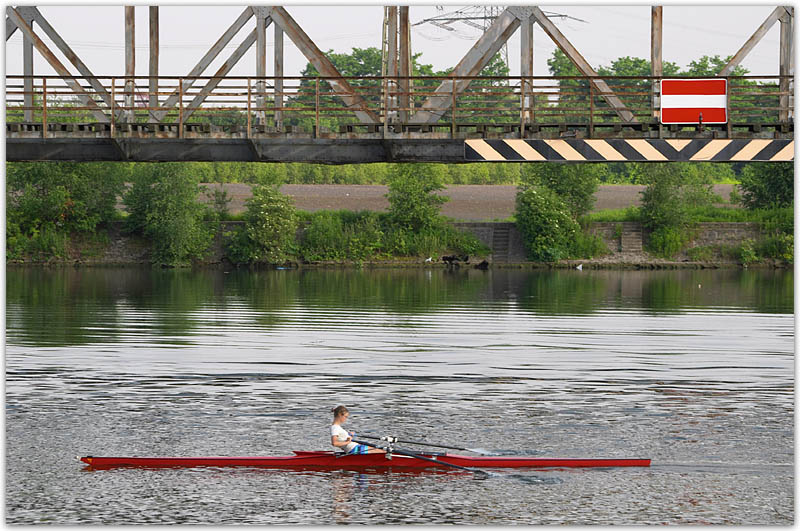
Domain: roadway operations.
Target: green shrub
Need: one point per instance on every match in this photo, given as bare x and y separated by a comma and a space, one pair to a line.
662, 201
666, 242
618, 231
778, 247
413, 203
575, 184
67, 196
588, 245
15, 241
426, 243
673, 192
341, 235
238, 248
365, 239
730, 252
398, 241
547, 227
735, 197
431, 242
702, 253
323, 237
767, 184
777, 220
463, 242
47, 201
43, 243
163, 206
269, 231
747, 252
220, 201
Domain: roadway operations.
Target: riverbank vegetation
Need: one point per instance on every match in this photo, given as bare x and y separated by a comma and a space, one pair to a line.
53, 208
46, 202
275, 232
676, 200
553, 203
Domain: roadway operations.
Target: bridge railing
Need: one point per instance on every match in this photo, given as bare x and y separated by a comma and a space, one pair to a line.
457, 107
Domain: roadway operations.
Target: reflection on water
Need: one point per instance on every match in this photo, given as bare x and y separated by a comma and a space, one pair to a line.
86, 306
693, 369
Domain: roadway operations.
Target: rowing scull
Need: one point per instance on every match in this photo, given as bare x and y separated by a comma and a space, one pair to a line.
336, 460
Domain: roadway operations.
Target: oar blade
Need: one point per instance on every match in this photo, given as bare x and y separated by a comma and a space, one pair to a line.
481, 451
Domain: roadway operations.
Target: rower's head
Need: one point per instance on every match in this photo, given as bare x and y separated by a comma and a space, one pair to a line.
340, 414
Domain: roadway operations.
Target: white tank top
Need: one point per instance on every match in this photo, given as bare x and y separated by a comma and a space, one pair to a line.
342, 435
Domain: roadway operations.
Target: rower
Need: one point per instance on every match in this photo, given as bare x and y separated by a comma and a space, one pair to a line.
343, 439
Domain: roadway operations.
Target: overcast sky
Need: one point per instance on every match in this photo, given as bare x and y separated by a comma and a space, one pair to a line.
603, 33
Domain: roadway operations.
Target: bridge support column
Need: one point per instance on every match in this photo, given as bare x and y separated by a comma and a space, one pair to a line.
261, 66
404, 65
152, 100
656, 63
526, 69
27, 65
786, 69
391, 63
130, 61
278, 59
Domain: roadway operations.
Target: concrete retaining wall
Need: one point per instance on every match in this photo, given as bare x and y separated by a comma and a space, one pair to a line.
503, 238
706, 234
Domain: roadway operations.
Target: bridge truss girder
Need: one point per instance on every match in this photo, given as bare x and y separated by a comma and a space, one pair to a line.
100, 102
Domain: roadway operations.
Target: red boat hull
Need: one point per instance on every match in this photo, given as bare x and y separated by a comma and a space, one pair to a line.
330, 460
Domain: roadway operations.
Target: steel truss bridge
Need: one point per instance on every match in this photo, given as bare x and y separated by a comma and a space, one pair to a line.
398, 117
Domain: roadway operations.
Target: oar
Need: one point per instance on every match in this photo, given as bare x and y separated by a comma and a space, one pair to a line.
395, 439
475, 471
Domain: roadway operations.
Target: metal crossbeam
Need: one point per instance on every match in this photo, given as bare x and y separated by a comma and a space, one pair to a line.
473, 62
583, 65
201, 65
70, 55
324, 66
220, 74
754, 39
50, 57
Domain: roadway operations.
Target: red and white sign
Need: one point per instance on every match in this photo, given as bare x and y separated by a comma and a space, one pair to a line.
683, 101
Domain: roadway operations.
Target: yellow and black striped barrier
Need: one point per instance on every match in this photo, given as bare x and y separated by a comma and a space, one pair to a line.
629, 150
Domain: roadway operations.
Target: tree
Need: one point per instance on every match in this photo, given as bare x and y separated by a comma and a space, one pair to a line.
360, 62
162, 205
47, 201
767, 184
711, 66
269, 232
547, 226
575, 184
413, 203
671, 194
68, 195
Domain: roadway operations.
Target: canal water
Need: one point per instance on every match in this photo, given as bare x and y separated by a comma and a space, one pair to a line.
693, 369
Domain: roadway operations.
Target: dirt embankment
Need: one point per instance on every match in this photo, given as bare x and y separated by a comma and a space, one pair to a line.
472, 202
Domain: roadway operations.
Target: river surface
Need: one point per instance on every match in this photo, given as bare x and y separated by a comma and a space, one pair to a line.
693, 369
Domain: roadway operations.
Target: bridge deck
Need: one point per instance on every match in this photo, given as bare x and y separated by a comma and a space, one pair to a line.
564, 119
354, 151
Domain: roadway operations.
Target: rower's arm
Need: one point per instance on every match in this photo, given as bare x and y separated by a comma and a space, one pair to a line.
337, 443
